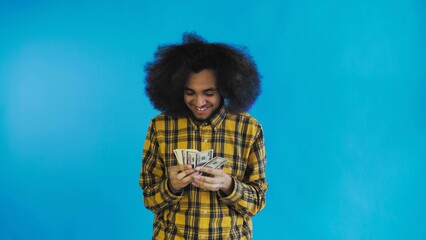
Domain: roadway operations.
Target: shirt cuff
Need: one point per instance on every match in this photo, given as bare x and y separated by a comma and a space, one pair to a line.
169, 193
235, 195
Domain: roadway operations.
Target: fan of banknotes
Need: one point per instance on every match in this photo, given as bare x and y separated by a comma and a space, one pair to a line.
197, 158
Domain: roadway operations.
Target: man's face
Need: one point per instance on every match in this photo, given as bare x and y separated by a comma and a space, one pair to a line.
200, 94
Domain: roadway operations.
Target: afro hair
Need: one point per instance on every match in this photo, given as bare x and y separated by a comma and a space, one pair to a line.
237, 78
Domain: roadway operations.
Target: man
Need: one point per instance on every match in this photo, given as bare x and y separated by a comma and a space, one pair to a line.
203, 90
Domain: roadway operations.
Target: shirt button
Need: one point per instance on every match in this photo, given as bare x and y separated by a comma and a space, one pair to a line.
202, 236
205, 211
205, 140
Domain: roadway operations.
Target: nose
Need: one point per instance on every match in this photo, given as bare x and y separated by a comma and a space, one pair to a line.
199, 101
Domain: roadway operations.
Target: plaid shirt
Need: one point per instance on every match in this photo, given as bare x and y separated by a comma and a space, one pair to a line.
197, 213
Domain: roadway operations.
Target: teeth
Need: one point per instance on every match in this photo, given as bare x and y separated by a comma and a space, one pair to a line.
201, 109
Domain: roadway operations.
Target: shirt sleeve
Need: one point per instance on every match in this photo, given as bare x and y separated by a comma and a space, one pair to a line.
248, 196
153, 179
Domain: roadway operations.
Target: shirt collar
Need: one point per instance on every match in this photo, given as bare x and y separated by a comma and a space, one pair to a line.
215, 120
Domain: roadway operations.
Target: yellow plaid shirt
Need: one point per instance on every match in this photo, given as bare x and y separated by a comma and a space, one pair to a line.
197, 213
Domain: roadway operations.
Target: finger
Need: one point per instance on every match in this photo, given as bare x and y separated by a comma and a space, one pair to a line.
205, 179
179, 182
205, 185
188, 179
184, 181
198, 183
179, 168
185, 173
211, 171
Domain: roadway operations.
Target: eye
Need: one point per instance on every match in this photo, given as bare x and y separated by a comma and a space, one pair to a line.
188, 92
210, 93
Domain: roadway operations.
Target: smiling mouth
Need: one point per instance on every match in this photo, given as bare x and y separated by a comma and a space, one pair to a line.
201, 109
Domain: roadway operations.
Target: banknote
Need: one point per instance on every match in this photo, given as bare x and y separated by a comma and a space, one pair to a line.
216, 162
203, 157
179, 155
193, 156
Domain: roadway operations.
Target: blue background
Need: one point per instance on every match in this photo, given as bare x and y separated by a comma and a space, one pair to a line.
343, 108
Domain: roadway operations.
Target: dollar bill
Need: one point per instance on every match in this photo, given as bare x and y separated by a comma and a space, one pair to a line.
178, 155
216, 162
204, 157
193, 156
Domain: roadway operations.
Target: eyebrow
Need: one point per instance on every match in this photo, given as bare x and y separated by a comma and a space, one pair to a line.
205, 90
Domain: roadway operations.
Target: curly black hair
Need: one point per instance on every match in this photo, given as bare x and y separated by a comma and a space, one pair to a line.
237, 78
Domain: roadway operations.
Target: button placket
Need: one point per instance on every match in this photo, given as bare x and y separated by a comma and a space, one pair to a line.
205, 134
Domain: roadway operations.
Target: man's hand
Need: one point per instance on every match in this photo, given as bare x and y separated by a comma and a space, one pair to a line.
180, 176
218, 180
